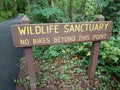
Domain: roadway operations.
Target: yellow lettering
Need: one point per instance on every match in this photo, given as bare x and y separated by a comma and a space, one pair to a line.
71, 28
106, 26
87, 26
56, 29
96, 27
101, 26
41, 41
99, 36
39, 30
22, 31
28, 32
91, 27
66, 28
51, 28
84, 37
57, 40
78, 28
24, 42
64, 39
31, 32
82, 27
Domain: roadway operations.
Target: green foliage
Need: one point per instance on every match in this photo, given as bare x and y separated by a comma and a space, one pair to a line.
39, 51
111, 11
46, 15
23, 81
5, 15
62, 5
103, 3
21, 6
111, 53
85, 11
108, 64
42, 4
10, 8
62, 51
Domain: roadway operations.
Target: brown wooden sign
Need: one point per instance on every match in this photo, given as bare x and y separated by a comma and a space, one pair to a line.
28, 35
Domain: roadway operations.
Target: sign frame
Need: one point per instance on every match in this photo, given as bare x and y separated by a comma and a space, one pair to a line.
29, 54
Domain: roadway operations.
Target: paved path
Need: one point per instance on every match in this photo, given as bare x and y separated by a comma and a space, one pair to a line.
9, 56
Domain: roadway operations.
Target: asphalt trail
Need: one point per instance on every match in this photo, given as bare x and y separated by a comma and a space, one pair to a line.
9, 55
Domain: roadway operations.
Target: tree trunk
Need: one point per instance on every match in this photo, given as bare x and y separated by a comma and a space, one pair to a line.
51, 3
70, 11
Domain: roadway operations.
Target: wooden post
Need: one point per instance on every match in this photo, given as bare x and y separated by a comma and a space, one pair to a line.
94, 56
30, 62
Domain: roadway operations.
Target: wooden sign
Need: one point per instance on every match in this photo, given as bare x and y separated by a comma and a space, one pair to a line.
28, 35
